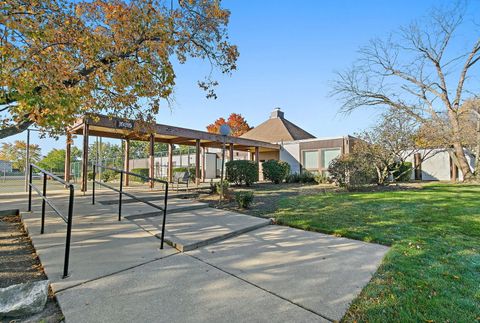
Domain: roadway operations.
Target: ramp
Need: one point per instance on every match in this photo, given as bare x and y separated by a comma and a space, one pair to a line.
199, 227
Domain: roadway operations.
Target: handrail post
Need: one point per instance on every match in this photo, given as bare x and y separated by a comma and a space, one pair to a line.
164, 215
120, 197
43, 201
93, 182
30, 172
69, 232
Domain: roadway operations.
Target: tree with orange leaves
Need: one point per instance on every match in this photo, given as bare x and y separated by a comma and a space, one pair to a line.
235, 121
61, 59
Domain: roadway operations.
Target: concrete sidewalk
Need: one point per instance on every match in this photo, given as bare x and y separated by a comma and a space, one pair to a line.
244, 270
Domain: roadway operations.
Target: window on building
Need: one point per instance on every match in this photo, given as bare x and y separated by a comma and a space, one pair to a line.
328, 155
311, 160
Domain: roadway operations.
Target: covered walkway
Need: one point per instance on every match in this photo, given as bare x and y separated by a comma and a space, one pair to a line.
110, 127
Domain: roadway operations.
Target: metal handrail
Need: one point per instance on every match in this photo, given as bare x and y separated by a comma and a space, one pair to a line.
43, 194
121, 193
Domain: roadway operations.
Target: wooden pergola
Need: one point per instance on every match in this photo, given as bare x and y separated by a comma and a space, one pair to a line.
111, 127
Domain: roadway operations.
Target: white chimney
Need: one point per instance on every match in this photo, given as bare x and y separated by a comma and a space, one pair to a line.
276, 113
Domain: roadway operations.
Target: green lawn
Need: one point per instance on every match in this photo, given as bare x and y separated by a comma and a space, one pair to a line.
432, 271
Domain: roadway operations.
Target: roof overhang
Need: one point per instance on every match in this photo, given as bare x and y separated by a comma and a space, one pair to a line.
113, 127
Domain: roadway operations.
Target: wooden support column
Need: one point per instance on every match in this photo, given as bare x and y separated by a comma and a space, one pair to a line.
230, 153
203, 164
170, 163
257, 160
68, 157
152, 159
197, 162
85, 158
126, 161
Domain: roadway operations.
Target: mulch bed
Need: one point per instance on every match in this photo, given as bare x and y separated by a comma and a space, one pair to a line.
19, 264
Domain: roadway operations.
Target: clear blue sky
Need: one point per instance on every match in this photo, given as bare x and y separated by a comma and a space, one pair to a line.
289, 51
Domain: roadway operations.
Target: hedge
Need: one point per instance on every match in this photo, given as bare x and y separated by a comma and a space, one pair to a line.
242, 171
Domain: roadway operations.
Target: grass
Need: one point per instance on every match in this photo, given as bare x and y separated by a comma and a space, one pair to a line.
432, 271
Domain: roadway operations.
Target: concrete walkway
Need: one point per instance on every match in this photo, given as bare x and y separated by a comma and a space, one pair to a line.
242, 270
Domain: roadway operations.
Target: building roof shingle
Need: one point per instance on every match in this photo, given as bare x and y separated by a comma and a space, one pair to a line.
277, 129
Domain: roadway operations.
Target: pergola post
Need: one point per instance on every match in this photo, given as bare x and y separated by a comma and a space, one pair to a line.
170, 163
68, 157
230, 153
257, 160
152, 159
197, 162
85, 158
203, 164
126, 161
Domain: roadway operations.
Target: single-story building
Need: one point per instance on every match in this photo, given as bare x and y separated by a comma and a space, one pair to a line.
437, 165
298, 147
303, 151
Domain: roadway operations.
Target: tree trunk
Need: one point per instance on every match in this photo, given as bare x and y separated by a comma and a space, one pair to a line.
458, 147
477, 150
16, 129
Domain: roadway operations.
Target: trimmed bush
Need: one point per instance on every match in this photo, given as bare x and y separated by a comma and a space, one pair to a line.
242, 171
140, 171
275, 171
244, 199
191, 172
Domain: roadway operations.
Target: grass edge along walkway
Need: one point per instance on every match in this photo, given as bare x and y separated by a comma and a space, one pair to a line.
431, 273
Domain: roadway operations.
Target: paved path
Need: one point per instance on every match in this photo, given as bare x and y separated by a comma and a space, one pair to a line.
237, 273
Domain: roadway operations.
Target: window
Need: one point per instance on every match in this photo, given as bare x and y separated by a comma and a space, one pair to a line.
311, 160
328, 155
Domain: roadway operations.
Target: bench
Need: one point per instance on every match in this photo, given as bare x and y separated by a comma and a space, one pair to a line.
181, 178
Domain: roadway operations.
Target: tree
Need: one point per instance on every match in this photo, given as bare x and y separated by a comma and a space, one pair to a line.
54, 161
108, 154
141, 149
389, 143
418, 72
17, 154
235, 121
61, 59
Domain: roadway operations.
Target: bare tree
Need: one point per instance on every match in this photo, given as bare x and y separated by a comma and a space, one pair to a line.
388, 144
418, 72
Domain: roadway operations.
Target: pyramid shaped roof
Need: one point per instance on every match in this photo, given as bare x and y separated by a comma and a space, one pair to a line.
277, 129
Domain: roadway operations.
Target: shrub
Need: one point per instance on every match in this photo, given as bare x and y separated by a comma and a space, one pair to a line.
275, 171
351, 173
244, 199
108, 175
321, 179
218, 187
305, 177
140, 171
191, 172
403, 172
242, 171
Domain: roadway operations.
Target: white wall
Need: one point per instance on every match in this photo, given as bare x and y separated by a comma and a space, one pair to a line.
290, 153
436, 167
